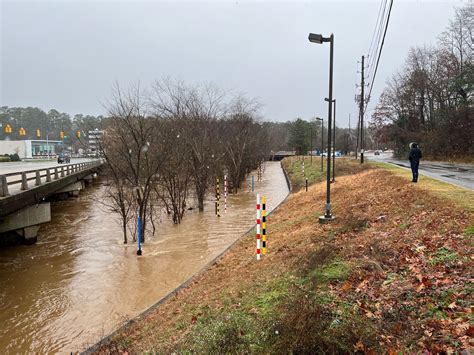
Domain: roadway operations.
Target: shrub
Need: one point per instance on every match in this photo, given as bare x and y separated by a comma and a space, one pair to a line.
14, 157
4, 158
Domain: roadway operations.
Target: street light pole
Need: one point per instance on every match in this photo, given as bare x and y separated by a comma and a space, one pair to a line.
311, 143
317, 38
334, 142
322, 141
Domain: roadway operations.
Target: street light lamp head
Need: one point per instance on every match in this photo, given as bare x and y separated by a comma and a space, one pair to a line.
316, 38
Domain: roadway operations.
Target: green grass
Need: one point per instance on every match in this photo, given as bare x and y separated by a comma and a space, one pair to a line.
337, 270
274, 293
294, 167
458, 195
469, 231
312, 171
443, 255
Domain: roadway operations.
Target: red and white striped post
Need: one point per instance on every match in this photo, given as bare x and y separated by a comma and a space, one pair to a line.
258, 227
225, 193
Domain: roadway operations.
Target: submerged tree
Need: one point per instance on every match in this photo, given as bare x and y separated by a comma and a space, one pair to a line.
134, 147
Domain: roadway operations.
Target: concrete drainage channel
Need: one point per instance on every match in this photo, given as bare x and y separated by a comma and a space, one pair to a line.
147, 311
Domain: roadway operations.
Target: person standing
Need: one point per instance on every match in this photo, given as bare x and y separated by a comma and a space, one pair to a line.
414, 157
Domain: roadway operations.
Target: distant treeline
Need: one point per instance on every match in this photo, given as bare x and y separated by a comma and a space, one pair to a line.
49, 123
298, 134
430, 99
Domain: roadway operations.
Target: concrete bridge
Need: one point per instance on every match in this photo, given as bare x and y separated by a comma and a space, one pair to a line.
281, 154
25, 195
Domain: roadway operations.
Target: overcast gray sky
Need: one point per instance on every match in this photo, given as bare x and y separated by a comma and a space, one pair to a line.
67, 54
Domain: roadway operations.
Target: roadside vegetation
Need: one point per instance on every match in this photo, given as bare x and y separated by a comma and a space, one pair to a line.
430, 99
392, 273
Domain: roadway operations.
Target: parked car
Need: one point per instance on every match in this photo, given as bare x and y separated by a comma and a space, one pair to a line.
377, 152
64, 159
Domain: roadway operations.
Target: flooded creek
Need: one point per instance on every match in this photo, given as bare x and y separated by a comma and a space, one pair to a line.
79, 282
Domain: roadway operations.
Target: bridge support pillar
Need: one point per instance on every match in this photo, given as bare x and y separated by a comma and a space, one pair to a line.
73, 189
26, 222
88, 179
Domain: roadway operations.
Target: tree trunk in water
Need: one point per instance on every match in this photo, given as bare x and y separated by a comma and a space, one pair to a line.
201, 203
124, 226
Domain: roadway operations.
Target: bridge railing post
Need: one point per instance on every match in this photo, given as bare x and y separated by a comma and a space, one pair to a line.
56, 175
62, 171
38, 178
3, 186
24, 181
48, 175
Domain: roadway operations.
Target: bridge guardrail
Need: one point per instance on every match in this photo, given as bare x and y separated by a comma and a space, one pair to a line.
50, 174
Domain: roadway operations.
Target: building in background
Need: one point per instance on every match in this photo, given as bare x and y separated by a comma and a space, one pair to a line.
95, 137
27, 149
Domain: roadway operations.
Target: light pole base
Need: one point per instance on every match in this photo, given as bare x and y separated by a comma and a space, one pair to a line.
326, 219
139, 252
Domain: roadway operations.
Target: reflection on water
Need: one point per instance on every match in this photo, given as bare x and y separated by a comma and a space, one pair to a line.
80, 281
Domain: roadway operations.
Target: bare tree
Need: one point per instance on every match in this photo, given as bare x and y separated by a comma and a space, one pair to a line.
199, 108
175, 179
134, 147
243, 140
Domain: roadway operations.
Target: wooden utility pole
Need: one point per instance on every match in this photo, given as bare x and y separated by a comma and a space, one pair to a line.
361, 113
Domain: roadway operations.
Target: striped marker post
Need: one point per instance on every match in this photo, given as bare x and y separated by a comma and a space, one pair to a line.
264, 225
303, 169
225, 193
218, 197
258, 227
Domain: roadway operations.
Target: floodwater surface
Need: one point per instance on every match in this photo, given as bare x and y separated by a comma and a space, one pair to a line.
80, 282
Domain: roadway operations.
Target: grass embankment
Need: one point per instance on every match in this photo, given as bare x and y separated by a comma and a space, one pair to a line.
460, 196
392, 272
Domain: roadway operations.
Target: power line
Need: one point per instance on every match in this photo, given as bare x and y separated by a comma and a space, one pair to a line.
372, 54
375, 42
380, 51
375, 28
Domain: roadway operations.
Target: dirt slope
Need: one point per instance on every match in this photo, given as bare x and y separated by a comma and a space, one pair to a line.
393, 272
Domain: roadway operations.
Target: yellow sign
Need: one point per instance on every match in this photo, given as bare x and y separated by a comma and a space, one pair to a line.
22, 131
8, 128
78, 134
38, 133
61, 135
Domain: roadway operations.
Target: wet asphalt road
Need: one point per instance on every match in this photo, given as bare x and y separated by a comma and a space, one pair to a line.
457, 174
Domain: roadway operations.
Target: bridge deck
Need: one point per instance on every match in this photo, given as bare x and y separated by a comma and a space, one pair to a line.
23, 188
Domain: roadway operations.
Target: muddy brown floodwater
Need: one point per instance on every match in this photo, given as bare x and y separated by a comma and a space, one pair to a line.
79, 282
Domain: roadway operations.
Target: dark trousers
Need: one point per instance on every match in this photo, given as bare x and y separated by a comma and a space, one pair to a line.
414, 168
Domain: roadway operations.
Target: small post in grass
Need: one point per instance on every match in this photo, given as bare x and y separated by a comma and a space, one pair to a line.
257, 235
264, 225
